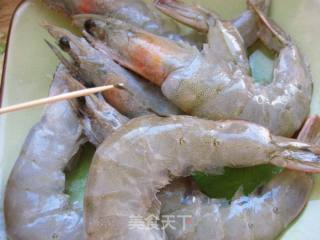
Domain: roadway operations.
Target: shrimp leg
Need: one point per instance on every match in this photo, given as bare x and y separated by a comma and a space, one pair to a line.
128, 178
215, 83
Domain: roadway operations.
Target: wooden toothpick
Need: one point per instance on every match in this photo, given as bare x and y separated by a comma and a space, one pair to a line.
61, 97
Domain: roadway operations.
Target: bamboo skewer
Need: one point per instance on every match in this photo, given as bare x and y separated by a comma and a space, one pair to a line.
61, 97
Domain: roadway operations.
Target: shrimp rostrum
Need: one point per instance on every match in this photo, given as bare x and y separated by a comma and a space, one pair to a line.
215, 83
142, 157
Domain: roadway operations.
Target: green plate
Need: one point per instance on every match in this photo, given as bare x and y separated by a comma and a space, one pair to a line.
30, 66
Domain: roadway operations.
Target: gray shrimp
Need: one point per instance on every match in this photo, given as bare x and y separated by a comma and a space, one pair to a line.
98, 68
281, 200
246, 23
36, 205
215, 83
143, 156
140, 14
137, 12
181, 198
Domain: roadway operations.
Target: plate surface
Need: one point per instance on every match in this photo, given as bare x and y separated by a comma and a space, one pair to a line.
30, 66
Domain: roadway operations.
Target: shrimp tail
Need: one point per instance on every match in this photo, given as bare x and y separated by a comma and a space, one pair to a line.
262, 5
311, 131
194, 16
268, 29
296, 155
197, 17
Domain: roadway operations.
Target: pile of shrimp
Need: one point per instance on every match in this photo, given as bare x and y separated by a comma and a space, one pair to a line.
188, 104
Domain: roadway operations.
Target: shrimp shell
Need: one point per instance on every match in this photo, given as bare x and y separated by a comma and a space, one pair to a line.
142, 157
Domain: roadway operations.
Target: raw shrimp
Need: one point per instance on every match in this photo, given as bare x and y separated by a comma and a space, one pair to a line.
179, 199
281, 200
139, 13
98, 68
246, 23
216, 82
136, 12
36, 206
141, 158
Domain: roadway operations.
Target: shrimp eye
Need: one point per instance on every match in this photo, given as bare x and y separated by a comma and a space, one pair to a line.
89, 25
64, 43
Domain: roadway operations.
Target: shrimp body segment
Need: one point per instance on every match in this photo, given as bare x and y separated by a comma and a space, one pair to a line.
142, 157
263, 215
215, 83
